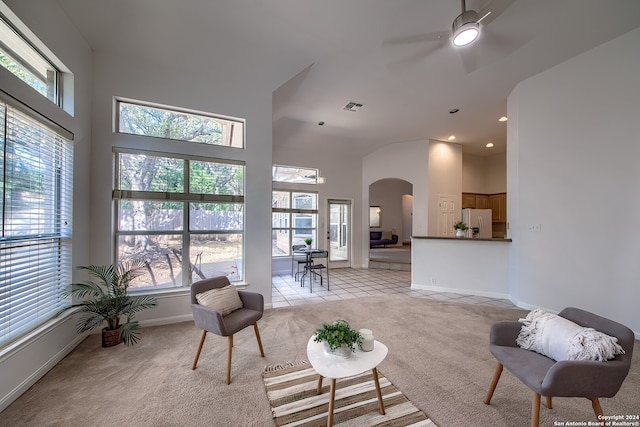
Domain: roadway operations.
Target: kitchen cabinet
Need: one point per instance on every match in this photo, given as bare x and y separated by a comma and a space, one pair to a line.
482, 201
468, 200
475, 201
498, 206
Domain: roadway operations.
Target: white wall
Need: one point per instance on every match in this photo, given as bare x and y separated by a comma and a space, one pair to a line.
444, 176
388, 194
574, 145
22, 364
484, 174
404, 160
496, 173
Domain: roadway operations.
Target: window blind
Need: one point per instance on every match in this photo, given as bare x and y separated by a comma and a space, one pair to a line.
36, 170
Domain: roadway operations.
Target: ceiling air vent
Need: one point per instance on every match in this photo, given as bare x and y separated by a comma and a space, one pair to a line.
353, 106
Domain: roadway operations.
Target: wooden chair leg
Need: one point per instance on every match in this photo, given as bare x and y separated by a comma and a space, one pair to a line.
255, 328
494, 383
535, 410
549, 404
597, 409
195, 361
229, 359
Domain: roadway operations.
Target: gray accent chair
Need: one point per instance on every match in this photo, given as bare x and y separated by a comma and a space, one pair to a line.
549, 378
210, 320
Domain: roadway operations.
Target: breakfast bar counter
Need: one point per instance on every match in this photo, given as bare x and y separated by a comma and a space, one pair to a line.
461, 265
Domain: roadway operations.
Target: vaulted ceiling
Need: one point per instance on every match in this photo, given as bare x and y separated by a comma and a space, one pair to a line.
379, 53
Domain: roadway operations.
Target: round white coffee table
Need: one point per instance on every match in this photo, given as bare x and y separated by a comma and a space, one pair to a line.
333, 367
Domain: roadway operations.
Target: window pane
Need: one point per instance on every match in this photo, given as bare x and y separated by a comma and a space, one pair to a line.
280, 199
280, 220
216, 178
163, 255
294, 174
304, 200
141, 215
280, 243
172, 124
216, 216
216, 255
26, 63
142, 172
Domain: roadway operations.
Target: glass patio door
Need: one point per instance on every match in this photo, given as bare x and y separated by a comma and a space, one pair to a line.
339, 232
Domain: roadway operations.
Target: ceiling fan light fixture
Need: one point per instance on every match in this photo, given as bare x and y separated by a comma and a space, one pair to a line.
465, 27
466, 34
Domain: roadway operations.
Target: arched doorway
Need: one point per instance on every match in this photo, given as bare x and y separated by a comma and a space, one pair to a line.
391, 204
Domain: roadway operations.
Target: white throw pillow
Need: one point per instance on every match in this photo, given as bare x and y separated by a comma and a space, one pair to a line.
223, 300
561, 339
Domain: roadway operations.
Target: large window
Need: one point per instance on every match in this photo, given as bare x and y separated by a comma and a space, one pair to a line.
182, 125
23, 60
35, 224
294, 219
184, 216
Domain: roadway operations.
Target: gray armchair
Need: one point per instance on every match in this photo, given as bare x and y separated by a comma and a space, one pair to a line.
210, 320
549, 378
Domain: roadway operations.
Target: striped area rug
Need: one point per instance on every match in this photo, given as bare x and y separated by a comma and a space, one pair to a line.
292, 392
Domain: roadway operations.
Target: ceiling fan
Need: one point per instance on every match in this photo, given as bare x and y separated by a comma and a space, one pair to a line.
467, 28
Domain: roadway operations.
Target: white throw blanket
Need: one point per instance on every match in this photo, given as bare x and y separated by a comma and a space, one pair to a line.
561, 339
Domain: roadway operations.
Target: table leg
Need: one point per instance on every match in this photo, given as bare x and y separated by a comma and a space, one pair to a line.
319, 384
331, 402
378, 392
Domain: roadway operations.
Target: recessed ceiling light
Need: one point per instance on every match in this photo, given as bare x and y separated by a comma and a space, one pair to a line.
451, 137
489, 144
502, 119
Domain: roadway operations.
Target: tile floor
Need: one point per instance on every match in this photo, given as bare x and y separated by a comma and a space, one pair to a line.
348, 283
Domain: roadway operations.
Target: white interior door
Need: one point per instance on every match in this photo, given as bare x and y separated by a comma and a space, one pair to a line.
339, 232
448, 214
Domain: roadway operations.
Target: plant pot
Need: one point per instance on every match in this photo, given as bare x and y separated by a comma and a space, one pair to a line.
111, 337
460, 233
343, 351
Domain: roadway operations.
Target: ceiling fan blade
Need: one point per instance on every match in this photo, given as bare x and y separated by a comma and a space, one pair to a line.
418, 38
401, 65
493, 10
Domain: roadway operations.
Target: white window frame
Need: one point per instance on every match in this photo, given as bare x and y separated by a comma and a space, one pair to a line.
289, 226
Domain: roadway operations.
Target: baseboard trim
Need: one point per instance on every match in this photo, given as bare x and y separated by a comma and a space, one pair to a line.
39, 373
462, 291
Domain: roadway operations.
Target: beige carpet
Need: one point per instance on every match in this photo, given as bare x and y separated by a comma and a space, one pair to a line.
292, 390
438, 357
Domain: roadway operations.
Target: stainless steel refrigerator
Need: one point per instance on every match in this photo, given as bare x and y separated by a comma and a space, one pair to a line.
479, 223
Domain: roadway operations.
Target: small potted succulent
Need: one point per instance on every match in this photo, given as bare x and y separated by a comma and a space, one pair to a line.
338, 338
308, 241
460, 227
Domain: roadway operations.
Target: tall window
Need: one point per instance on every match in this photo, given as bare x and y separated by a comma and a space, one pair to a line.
184, 216
294, 219
182, 125
36, 170
23, 60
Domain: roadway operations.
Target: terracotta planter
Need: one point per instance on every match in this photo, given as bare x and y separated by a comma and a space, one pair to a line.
111, 337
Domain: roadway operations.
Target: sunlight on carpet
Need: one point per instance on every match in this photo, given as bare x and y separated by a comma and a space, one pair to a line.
292, 393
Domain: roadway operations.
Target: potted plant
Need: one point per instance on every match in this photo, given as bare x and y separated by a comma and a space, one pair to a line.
338, 338
108, 300
308, 241
460, 227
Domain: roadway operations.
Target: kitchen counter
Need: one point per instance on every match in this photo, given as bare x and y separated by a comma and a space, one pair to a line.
466, 266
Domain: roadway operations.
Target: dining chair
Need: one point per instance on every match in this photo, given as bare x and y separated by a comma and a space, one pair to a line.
300, 259
312, 268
